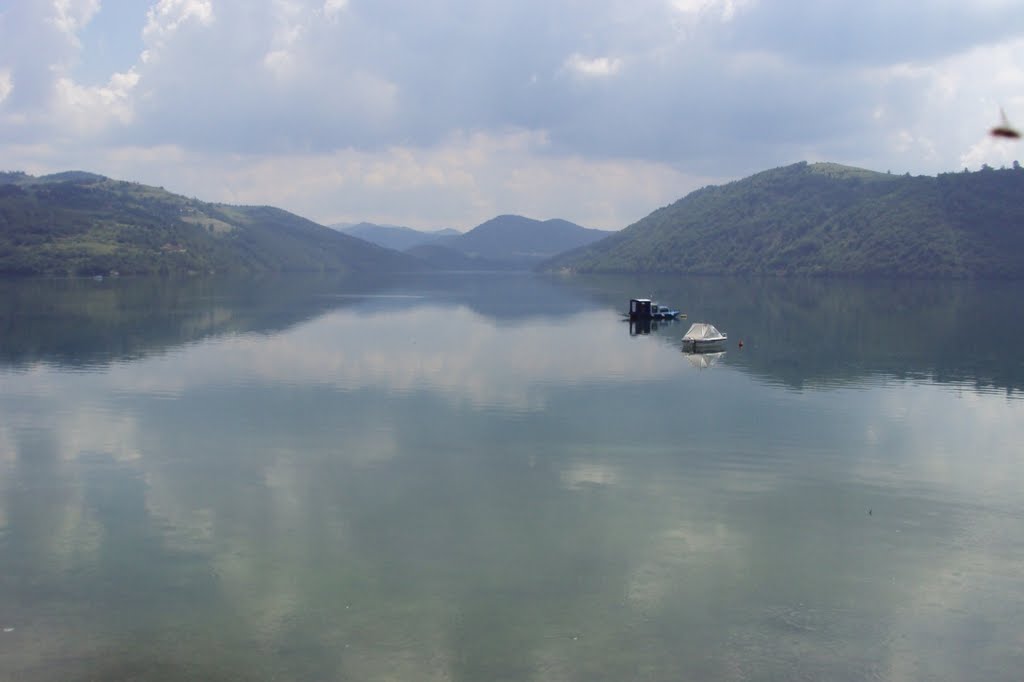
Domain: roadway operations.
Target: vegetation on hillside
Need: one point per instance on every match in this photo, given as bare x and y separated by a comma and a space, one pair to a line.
394, 237
79, 223
828, 219
520, 242
447, 258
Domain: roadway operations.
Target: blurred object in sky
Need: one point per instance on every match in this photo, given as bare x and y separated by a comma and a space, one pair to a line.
1004, 129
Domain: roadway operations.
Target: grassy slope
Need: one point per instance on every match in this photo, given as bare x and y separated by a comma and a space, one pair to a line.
78, 223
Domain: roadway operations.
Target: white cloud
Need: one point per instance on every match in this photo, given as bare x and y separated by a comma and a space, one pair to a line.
88, 110
993, 152
725, 10
938, 114
70, 16
6, 84
156, 156
461, 182
334, 7
289, 19
280, 62
593, 67
289, 22
166, 16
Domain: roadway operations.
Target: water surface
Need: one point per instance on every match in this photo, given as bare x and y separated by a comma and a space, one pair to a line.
489, 478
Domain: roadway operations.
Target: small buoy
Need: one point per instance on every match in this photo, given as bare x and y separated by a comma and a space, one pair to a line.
741, 343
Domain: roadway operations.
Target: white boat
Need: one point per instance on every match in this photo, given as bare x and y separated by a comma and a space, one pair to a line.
703, 336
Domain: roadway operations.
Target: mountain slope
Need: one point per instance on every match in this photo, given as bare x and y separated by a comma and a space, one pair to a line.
82, 224
827, 219
443, 257
521, 242
394, 236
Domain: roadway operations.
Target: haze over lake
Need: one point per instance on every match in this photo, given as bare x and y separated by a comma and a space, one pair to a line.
489, 477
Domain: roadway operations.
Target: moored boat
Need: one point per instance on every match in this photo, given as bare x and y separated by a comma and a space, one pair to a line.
703, 336
646, 309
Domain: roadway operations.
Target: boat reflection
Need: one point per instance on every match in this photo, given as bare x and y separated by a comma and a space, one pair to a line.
643, 327
703, 360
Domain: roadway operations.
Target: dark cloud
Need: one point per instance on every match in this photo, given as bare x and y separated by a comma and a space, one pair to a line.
874, 32
705, 89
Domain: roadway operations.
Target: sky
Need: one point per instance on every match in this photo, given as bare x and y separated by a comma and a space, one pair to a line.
445, 113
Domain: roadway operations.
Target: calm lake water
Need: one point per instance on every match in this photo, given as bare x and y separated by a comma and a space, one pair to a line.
489, 478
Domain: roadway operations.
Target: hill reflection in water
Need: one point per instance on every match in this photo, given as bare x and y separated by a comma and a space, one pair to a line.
796, 332
487, 477
821, 332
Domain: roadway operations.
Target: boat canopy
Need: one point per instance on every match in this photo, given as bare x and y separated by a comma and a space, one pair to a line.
702, 330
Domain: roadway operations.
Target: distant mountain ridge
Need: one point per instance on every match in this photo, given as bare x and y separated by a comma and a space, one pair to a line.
505, 242
827, 219
393, 236
513, 241
78, 223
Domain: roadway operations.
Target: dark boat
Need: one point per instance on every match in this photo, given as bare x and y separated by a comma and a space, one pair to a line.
646, 309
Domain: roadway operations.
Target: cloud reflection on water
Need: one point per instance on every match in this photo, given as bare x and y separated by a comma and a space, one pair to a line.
395, 351
428, 493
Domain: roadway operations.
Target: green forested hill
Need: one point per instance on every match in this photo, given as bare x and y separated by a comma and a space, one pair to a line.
827, 219
79, 223
519, 242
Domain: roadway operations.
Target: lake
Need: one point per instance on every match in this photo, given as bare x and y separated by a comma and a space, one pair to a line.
494, 477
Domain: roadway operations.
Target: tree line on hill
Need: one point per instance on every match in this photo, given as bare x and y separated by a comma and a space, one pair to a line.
821, 219
825, 219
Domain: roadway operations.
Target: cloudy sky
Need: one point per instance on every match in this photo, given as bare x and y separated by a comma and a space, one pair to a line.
444, 113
